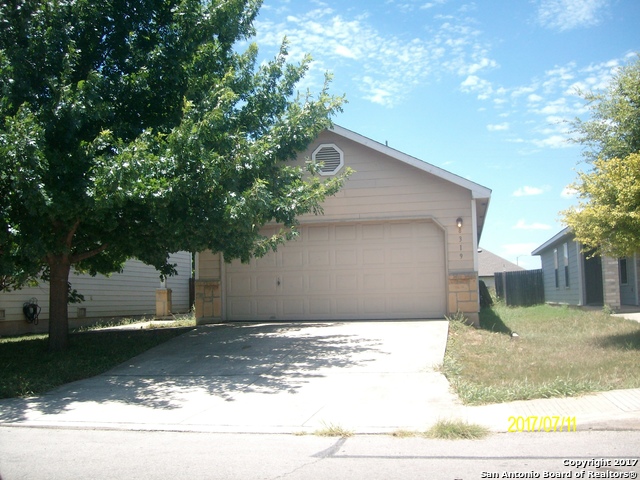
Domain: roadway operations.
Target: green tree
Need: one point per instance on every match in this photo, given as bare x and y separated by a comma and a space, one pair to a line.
613, 127
133, 128
607, 217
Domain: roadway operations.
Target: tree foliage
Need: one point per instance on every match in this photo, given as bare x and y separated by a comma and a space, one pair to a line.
607, 218
613, 129
133, 128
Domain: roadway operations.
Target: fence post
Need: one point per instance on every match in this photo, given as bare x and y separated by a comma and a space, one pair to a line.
504, 287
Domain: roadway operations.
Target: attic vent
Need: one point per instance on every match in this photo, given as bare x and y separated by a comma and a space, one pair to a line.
330, 156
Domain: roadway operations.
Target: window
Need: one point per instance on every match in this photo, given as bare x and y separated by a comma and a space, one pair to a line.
566, 264
555, 265
624, 276
330, 156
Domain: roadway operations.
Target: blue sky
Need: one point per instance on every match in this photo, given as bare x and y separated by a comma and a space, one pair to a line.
483, 89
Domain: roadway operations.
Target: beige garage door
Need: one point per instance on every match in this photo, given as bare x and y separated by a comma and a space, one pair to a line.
387, 270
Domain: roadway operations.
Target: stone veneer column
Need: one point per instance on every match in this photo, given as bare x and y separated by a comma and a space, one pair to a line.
208, 302
463, 296
611, 282
163, 302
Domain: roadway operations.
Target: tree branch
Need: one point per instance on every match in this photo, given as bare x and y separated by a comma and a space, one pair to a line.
91, 253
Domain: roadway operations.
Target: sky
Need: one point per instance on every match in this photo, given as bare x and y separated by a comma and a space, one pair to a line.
483, 89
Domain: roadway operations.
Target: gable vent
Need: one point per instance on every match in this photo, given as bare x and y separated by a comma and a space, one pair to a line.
331, 157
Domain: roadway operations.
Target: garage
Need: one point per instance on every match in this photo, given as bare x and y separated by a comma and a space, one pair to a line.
398, 241
334, 271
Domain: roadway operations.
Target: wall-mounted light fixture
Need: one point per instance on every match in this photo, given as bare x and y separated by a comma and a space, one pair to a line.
459, 222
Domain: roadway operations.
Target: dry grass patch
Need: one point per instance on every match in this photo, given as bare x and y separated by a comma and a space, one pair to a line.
332, 430
456, 430
560, 351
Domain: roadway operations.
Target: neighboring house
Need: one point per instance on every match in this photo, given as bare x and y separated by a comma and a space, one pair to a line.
130, 293
399, 241
490, 264
573, 277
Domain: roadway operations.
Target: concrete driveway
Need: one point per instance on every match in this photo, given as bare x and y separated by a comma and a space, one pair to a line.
361, 376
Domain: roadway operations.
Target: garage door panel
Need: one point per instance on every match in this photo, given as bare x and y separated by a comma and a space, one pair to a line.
373, 232
293, 283
347, 306
292, 258
346, 257
266, 285
320, 283
374, 281
375, 306
319, 258
240, 308
293, 307
373, 256
363, 270
346, 282
401, 281
402, 256
239, 284
317, 234
401, 231
345, 233
320, 306
266, 307
269, 260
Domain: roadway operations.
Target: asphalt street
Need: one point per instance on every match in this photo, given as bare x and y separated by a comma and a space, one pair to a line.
66, 454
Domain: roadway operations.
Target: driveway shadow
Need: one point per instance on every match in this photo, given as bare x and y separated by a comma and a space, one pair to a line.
217, 363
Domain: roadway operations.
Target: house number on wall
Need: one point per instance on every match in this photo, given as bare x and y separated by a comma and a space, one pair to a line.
461, 254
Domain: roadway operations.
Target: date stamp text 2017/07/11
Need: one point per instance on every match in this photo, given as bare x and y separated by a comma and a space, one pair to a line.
547, 423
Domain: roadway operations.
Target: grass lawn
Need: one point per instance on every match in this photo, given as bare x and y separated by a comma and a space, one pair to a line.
559, 351
27, 368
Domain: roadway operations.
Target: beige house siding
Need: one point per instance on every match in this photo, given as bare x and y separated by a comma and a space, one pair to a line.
384, 188
130, 293
209, 265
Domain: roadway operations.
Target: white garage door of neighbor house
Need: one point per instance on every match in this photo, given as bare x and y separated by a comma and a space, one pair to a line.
386, 270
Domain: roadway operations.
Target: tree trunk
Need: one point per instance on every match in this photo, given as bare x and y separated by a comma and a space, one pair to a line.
58, 300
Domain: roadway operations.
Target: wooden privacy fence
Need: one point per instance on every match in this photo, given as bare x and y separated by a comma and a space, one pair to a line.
521, 288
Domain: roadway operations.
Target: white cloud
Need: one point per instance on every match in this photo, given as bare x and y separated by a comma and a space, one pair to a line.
564, 15
345, 52
498, 127
393, 65
553, 141
522, 225
527, 191
555, 107
568, 192
482, 87
429, 5
517, 92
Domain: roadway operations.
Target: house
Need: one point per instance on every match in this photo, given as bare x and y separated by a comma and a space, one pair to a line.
133, 292
490, 264
573, 277
399, 241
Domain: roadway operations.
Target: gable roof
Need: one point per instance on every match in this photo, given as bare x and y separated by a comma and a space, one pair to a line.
490, 263
481, 195
561, 236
